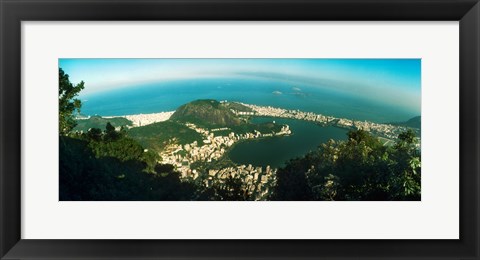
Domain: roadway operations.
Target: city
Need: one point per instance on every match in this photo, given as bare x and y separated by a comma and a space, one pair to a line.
215, 145
387, 131
213, 148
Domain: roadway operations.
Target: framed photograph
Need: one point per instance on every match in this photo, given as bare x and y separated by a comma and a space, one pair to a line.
239, 129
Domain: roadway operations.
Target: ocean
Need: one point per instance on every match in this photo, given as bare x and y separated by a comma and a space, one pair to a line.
169, 95
275, 151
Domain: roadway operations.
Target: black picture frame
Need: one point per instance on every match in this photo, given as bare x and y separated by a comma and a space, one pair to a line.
13, 12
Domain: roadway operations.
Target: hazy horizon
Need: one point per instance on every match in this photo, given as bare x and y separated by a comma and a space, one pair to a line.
393, 81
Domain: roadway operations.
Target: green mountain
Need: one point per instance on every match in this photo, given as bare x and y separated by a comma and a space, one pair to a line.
211, 114
414, 122
207, 113
157, 135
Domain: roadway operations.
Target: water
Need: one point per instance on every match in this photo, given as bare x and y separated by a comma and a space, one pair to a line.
276, 151
167, 96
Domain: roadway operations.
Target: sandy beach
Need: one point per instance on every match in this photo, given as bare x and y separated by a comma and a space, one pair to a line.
146, 119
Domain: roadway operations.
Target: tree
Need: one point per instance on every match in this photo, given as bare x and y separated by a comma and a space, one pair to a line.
363, 136
407, 141
406, 184
67, 103
292, 183
110, 133
94, 134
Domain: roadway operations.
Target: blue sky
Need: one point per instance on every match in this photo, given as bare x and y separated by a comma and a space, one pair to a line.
391, 80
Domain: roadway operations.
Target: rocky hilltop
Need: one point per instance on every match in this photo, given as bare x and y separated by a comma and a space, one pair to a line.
208, 111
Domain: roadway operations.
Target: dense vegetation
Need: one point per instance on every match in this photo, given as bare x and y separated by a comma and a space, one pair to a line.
156, 136
100, 122
85, 175
358, 169
108, 164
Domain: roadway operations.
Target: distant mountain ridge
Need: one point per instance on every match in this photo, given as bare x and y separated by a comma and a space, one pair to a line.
414, 122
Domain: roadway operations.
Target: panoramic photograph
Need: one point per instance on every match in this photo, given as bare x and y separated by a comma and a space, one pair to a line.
239, 129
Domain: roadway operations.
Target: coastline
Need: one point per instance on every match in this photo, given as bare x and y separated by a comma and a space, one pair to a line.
384, 130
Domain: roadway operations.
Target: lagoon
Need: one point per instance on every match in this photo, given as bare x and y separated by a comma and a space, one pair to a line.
275, 151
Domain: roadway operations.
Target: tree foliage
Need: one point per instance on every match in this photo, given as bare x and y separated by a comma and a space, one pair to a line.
358, 169
116, 144
67, 103
84, 176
